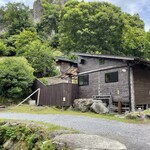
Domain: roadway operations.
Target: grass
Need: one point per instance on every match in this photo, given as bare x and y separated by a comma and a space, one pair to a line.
147, 111
53, 110
47, 126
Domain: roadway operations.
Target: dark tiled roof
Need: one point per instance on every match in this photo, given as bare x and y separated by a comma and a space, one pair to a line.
65, 60
115, 57
105, 56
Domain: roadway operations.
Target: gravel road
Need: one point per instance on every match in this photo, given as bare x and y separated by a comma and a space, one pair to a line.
134, 136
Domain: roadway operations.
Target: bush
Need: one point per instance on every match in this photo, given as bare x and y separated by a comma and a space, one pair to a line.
16, 77
24, 136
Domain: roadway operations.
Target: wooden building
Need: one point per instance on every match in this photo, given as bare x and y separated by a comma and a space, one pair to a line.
126, 79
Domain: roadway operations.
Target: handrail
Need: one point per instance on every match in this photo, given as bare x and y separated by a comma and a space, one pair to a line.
38, 90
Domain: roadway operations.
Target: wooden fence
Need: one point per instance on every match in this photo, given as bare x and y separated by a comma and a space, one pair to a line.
52, 95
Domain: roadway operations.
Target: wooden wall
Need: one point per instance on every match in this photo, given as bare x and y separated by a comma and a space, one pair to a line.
97, 85
52, 95
141, 84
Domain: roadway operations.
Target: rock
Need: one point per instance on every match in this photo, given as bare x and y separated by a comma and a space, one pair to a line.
2, 107
131, 116
59, 145
8, 144
59, 132
87, 142
147, 116
7, 124
21, 145
83, 104
37, 11
99, 107
136, 116
70, 108
141, 117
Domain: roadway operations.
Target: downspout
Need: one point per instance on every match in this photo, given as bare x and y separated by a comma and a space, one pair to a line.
129, 85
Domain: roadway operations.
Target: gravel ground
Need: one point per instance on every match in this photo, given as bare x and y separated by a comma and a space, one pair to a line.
134, 136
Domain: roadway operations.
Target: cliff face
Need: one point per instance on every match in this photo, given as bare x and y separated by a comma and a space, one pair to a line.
37, 11
37, 8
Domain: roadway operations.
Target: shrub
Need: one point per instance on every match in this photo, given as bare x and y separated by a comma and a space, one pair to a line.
16, 77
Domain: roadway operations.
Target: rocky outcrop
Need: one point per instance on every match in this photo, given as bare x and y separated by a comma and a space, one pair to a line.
86, 142
37, 11
147, 116
83, 105
99, 107
37, 8
17, 136
136, 116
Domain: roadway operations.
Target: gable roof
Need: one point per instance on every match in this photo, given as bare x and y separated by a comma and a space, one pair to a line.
134, 59
105, 56
63, 59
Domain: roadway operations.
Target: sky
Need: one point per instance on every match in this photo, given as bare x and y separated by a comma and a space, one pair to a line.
142, 7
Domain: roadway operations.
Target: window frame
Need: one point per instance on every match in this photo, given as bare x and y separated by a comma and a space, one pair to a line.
114, 77
85, 80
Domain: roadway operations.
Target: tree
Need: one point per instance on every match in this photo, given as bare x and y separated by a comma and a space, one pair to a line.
147, 45
16, 77
133, 41
38, 53
41, 58
19, 41
100, 27
48, 25
90, 27
15, 17
3, 51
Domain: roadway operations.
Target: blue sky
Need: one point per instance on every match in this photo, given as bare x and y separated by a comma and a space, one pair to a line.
142, 7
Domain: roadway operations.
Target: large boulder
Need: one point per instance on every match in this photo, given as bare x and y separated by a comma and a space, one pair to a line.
86, 142
99, 107
136, 116
147, 116
83, 104
8, 144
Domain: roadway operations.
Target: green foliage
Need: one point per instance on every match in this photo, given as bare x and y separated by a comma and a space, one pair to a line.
43, 80
15, 17
134, 41
41, 58
27, 136
3, 48
49, 20
147, 46
22, 39
100, 27
16, 77
48, 146
38, 54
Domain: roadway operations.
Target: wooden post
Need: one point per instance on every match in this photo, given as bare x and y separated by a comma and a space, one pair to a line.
119, 107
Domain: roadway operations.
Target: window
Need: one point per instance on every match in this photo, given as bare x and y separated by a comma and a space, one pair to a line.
83, 80
111, 77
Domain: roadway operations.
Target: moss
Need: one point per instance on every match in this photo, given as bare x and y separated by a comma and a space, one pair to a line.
25, 136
